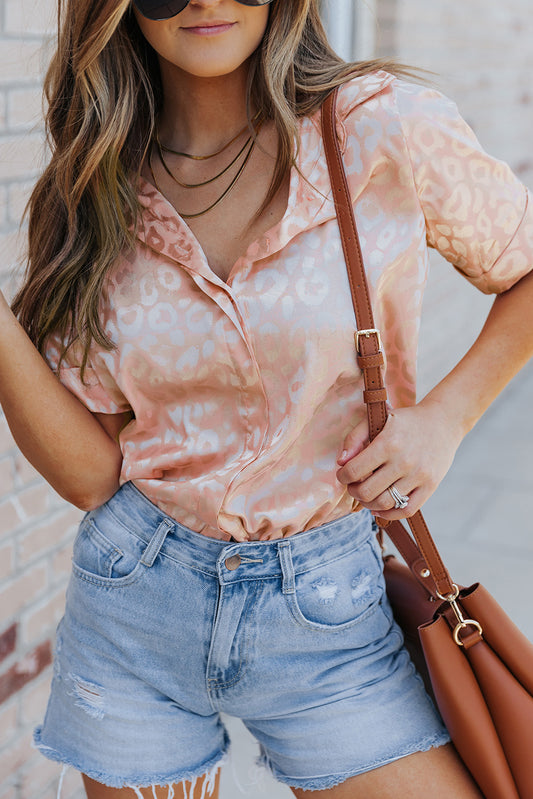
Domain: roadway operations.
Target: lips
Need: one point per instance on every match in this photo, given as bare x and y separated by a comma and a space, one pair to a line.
210, 28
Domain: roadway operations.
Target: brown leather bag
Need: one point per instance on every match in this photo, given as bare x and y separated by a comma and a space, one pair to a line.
480, 666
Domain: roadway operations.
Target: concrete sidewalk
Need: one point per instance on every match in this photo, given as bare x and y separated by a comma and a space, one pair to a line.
481, 518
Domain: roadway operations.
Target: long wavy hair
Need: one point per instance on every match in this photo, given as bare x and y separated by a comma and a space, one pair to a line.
103, 91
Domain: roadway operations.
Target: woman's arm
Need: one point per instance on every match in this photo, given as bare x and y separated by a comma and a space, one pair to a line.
417, 446
57, 434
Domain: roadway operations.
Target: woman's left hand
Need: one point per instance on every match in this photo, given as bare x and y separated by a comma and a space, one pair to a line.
413, 452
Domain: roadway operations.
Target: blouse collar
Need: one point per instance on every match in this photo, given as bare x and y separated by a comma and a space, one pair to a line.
310, 203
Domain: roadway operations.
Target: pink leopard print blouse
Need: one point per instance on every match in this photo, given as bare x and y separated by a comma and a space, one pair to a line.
243, 392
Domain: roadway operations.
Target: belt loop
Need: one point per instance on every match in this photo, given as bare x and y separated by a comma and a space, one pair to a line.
287, 568
156, 542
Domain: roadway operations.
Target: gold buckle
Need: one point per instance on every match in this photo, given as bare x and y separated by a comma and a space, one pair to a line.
367, 334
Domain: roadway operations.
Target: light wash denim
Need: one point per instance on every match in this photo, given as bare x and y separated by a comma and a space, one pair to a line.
165, 628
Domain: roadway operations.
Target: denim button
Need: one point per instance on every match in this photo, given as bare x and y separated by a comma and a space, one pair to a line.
233, 563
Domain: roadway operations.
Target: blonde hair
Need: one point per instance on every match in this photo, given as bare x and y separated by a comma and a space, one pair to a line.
103, 90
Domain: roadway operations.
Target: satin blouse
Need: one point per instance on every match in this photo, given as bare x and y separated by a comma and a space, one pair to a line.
244, 390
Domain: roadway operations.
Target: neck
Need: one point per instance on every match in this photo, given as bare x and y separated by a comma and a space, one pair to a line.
200, 114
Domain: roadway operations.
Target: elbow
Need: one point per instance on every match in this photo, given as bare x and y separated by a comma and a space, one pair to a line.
87, 483
88, 503
88, 498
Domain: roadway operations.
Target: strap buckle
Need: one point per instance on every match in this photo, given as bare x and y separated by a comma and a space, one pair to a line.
367, 333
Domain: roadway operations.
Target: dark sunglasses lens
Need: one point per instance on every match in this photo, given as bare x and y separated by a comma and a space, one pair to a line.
155, 9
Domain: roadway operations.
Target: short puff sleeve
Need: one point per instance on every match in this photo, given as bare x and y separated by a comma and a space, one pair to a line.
98, 390
479, 216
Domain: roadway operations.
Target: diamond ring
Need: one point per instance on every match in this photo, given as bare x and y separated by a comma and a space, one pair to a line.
400, 501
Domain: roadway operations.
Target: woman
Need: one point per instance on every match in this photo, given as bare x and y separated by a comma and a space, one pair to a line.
186, 282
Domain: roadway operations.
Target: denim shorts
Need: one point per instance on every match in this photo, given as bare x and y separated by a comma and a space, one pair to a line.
165, 628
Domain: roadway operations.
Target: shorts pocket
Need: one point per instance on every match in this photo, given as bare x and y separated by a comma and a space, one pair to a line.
111, 559
340, 593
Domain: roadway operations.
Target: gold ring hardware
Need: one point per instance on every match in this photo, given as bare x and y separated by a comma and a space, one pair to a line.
451, 597
462, 622
367, 333
462, 625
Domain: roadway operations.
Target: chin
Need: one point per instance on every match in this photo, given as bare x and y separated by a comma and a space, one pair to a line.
205, 72
205, 69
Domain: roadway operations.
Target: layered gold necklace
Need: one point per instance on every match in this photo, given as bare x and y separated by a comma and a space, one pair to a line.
246, 151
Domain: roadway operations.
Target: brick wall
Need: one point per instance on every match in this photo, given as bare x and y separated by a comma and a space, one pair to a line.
36, 526
483, 55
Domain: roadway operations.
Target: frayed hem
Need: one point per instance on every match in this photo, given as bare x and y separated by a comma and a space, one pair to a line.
207, 772
324, 781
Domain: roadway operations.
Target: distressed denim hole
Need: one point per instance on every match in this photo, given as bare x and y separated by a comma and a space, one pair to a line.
340, 591
326, 589
89, 696
361, 589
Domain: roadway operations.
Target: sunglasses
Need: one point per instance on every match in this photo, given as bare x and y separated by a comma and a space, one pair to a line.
156, 10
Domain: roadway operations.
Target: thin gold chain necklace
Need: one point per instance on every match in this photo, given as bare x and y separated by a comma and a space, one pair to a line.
160, 149
207, 157
224, 193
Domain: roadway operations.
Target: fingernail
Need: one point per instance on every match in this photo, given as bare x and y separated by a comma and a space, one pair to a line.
343, 455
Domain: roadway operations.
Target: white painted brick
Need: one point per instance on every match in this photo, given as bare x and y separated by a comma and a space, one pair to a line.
33, 699
12, 248
17, 198
7, 481
61, 561
9, 791
24, 108
41, 621
40, 539
25, 474
3, 108
9, 283
16, 755
47, 534
7, 559
51, 791
21, 156
7, 441
11, 516
37, 778
26, 17
34, 503
21, 591
73, 785
8, 722
21, 61
3, 206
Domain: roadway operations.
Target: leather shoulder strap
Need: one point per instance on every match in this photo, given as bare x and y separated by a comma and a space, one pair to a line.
367, 339
424, 554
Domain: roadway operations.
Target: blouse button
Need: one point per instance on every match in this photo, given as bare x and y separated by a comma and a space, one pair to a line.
233, 563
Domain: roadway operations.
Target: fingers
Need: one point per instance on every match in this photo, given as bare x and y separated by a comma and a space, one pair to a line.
361, 458
383, 504
354, 443
416, 500
411, 453
374, 493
